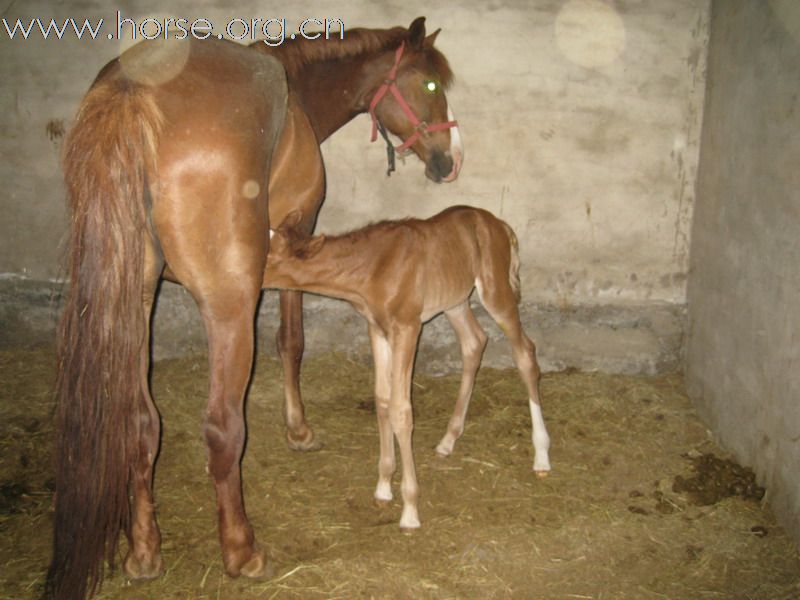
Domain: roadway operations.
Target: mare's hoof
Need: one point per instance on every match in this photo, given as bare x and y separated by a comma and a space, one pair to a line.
257, 567
542, 474
138, 569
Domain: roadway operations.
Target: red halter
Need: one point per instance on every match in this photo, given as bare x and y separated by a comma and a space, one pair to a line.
389, 85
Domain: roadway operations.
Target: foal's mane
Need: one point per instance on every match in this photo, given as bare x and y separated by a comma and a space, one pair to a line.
298, 53
375, 228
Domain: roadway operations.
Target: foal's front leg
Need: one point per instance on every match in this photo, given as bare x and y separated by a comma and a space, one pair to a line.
381, 355
404, 342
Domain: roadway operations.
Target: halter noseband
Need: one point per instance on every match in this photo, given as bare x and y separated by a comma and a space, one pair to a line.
390, 85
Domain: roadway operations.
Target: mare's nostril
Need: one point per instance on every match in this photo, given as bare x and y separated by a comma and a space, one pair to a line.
439, 166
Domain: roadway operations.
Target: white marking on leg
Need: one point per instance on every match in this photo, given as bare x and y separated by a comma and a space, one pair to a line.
383, 491
541, 440
410, 518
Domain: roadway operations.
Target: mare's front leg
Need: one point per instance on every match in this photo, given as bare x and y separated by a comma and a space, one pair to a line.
403, 340
290, 348
297, 181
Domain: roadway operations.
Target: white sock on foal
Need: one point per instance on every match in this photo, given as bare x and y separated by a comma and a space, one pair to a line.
541, 441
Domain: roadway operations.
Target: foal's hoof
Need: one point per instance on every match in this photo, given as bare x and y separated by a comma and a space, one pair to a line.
541, 465
137, 568
409, 520
446, 444
303, 443
409, 524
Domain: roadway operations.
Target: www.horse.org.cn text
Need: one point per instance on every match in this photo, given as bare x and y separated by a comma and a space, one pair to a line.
271, 31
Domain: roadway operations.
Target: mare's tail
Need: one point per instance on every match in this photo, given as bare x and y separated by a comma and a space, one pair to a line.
108, 157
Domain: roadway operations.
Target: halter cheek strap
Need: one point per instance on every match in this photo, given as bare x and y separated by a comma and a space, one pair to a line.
390, 85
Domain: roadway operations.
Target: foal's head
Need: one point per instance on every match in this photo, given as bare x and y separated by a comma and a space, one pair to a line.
289, 243
410, 103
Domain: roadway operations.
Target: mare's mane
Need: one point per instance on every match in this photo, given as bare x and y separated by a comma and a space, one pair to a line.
297, 54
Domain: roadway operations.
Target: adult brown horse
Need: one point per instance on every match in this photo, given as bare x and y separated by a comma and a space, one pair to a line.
181, 155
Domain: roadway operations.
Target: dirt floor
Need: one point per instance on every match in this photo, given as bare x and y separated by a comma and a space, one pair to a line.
636, 506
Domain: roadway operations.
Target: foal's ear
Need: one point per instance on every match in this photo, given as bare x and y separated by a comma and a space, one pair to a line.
292, 220
314, 245
416, 33
428, 43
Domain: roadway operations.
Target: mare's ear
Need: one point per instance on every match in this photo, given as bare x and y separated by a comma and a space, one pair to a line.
292, 220
428, 43
416, 33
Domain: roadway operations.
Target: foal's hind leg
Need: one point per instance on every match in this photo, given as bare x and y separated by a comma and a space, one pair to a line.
473, 341
290, 348
502, 306
143, 560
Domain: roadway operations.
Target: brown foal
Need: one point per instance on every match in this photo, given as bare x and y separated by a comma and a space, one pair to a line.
399, 274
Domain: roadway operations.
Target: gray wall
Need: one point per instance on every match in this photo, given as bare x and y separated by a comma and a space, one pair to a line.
581, 123
743, 349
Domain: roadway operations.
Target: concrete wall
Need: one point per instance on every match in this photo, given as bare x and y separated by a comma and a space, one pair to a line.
581, 121
743, 347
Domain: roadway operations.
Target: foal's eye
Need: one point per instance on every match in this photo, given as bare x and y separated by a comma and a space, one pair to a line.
431, 86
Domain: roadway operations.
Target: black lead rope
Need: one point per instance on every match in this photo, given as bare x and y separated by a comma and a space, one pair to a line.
389, 149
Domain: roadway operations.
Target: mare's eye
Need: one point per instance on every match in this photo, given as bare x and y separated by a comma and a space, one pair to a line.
431, 86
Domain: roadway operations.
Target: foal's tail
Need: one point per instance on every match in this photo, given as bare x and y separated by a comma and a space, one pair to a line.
513, 267
108, 156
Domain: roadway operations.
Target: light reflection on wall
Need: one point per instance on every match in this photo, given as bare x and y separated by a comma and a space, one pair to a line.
590, 33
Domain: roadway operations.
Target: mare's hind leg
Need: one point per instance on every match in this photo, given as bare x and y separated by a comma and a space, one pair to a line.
290, 348
143, 560
502, 306
473, 341
228, 313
